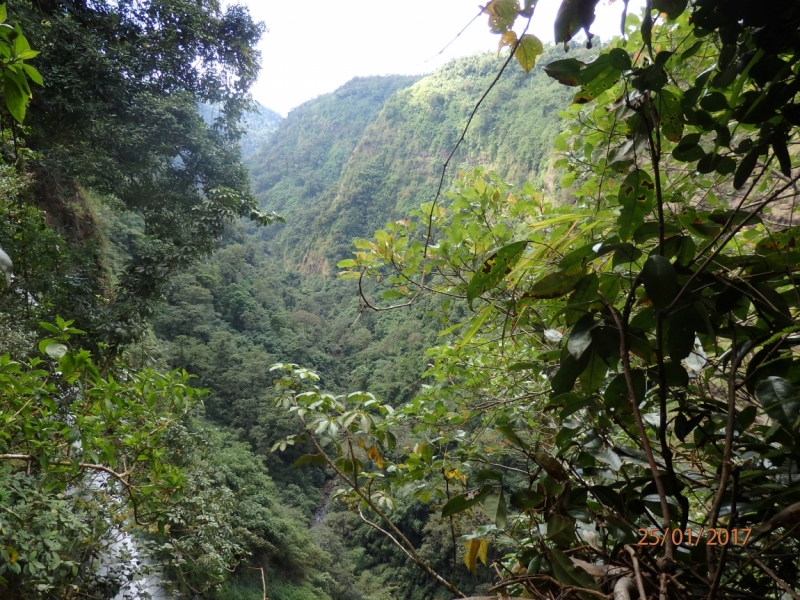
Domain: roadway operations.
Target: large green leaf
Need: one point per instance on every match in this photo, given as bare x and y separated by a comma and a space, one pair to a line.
670, 114
526, 499
780, 400
572, 16
660, 281
560, 530
566, 71
616, 395
495, 506
594, 374
556, 284
16, 99
598, 76
581, 299
636, 199
681, 328
462, 502
569, 371
580, 338
673, 8
494, 269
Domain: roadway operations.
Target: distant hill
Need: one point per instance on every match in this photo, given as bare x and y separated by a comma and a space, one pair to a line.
258, 125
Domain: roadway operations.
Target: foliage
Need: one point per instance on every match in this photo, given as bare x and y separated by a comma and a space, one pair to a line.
630, 364
15, 50
118, 119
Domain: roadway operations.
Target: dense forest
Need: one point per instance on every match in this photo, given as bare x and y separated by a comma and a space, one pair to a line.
524, 327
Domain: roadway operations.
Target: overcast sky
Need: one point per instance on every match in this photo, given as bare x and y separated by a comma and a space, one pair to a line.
315, 46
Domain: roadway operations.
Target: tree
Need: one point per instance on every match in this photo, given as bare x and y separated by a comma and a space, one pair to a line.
119, 117
623, 402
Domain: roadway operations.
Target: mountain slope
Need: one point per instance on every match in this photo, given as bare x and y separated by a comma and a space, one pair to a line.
396, 164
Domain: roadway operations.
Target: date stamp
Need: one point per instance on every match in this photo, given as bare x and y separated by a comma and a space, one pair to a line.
689, 537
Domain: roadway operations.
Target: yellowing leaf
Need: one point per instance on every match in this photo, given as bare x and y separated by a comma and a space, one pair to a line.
376, 456
476, 548
530, 48
509, 38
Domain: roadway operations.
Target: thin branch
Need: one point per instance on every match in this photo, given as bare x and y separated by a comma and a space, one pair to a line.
637, 415
458, 35
785, 586
637, 572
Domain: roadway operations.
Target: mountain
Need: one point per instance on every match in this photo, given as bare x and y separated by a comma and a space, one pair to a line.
342, 165
258, 125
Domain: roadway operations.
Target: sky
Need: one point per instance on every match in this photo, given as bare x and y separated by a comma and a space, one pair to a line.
315, 46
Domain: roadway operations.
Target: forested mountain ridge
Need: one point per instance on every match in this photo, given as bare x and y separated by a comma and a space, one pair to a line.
397, 151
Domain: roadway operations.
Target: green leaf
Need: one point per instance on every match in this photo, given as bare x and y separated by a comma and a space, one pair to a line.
571, 17
581, 299
619, 59
56, 351
670, 114
569, 371
580, 338
526, 499
555, 285
594, 374
650, 230
598, 76
714, 102
681, 328
660, 281
508, 432
33, 74
616, 394
16, 99
495, 506
462, 502
636, 200
566, 71
745, 169
780, 400
316, 460
494, 269
529, 49
694, 49
560, 530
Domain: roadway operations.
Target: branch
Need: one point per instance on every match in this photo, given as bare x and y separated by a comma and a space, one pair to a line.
637, 572
759, 207
83, 466
726, 459
637, 415
785, 586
